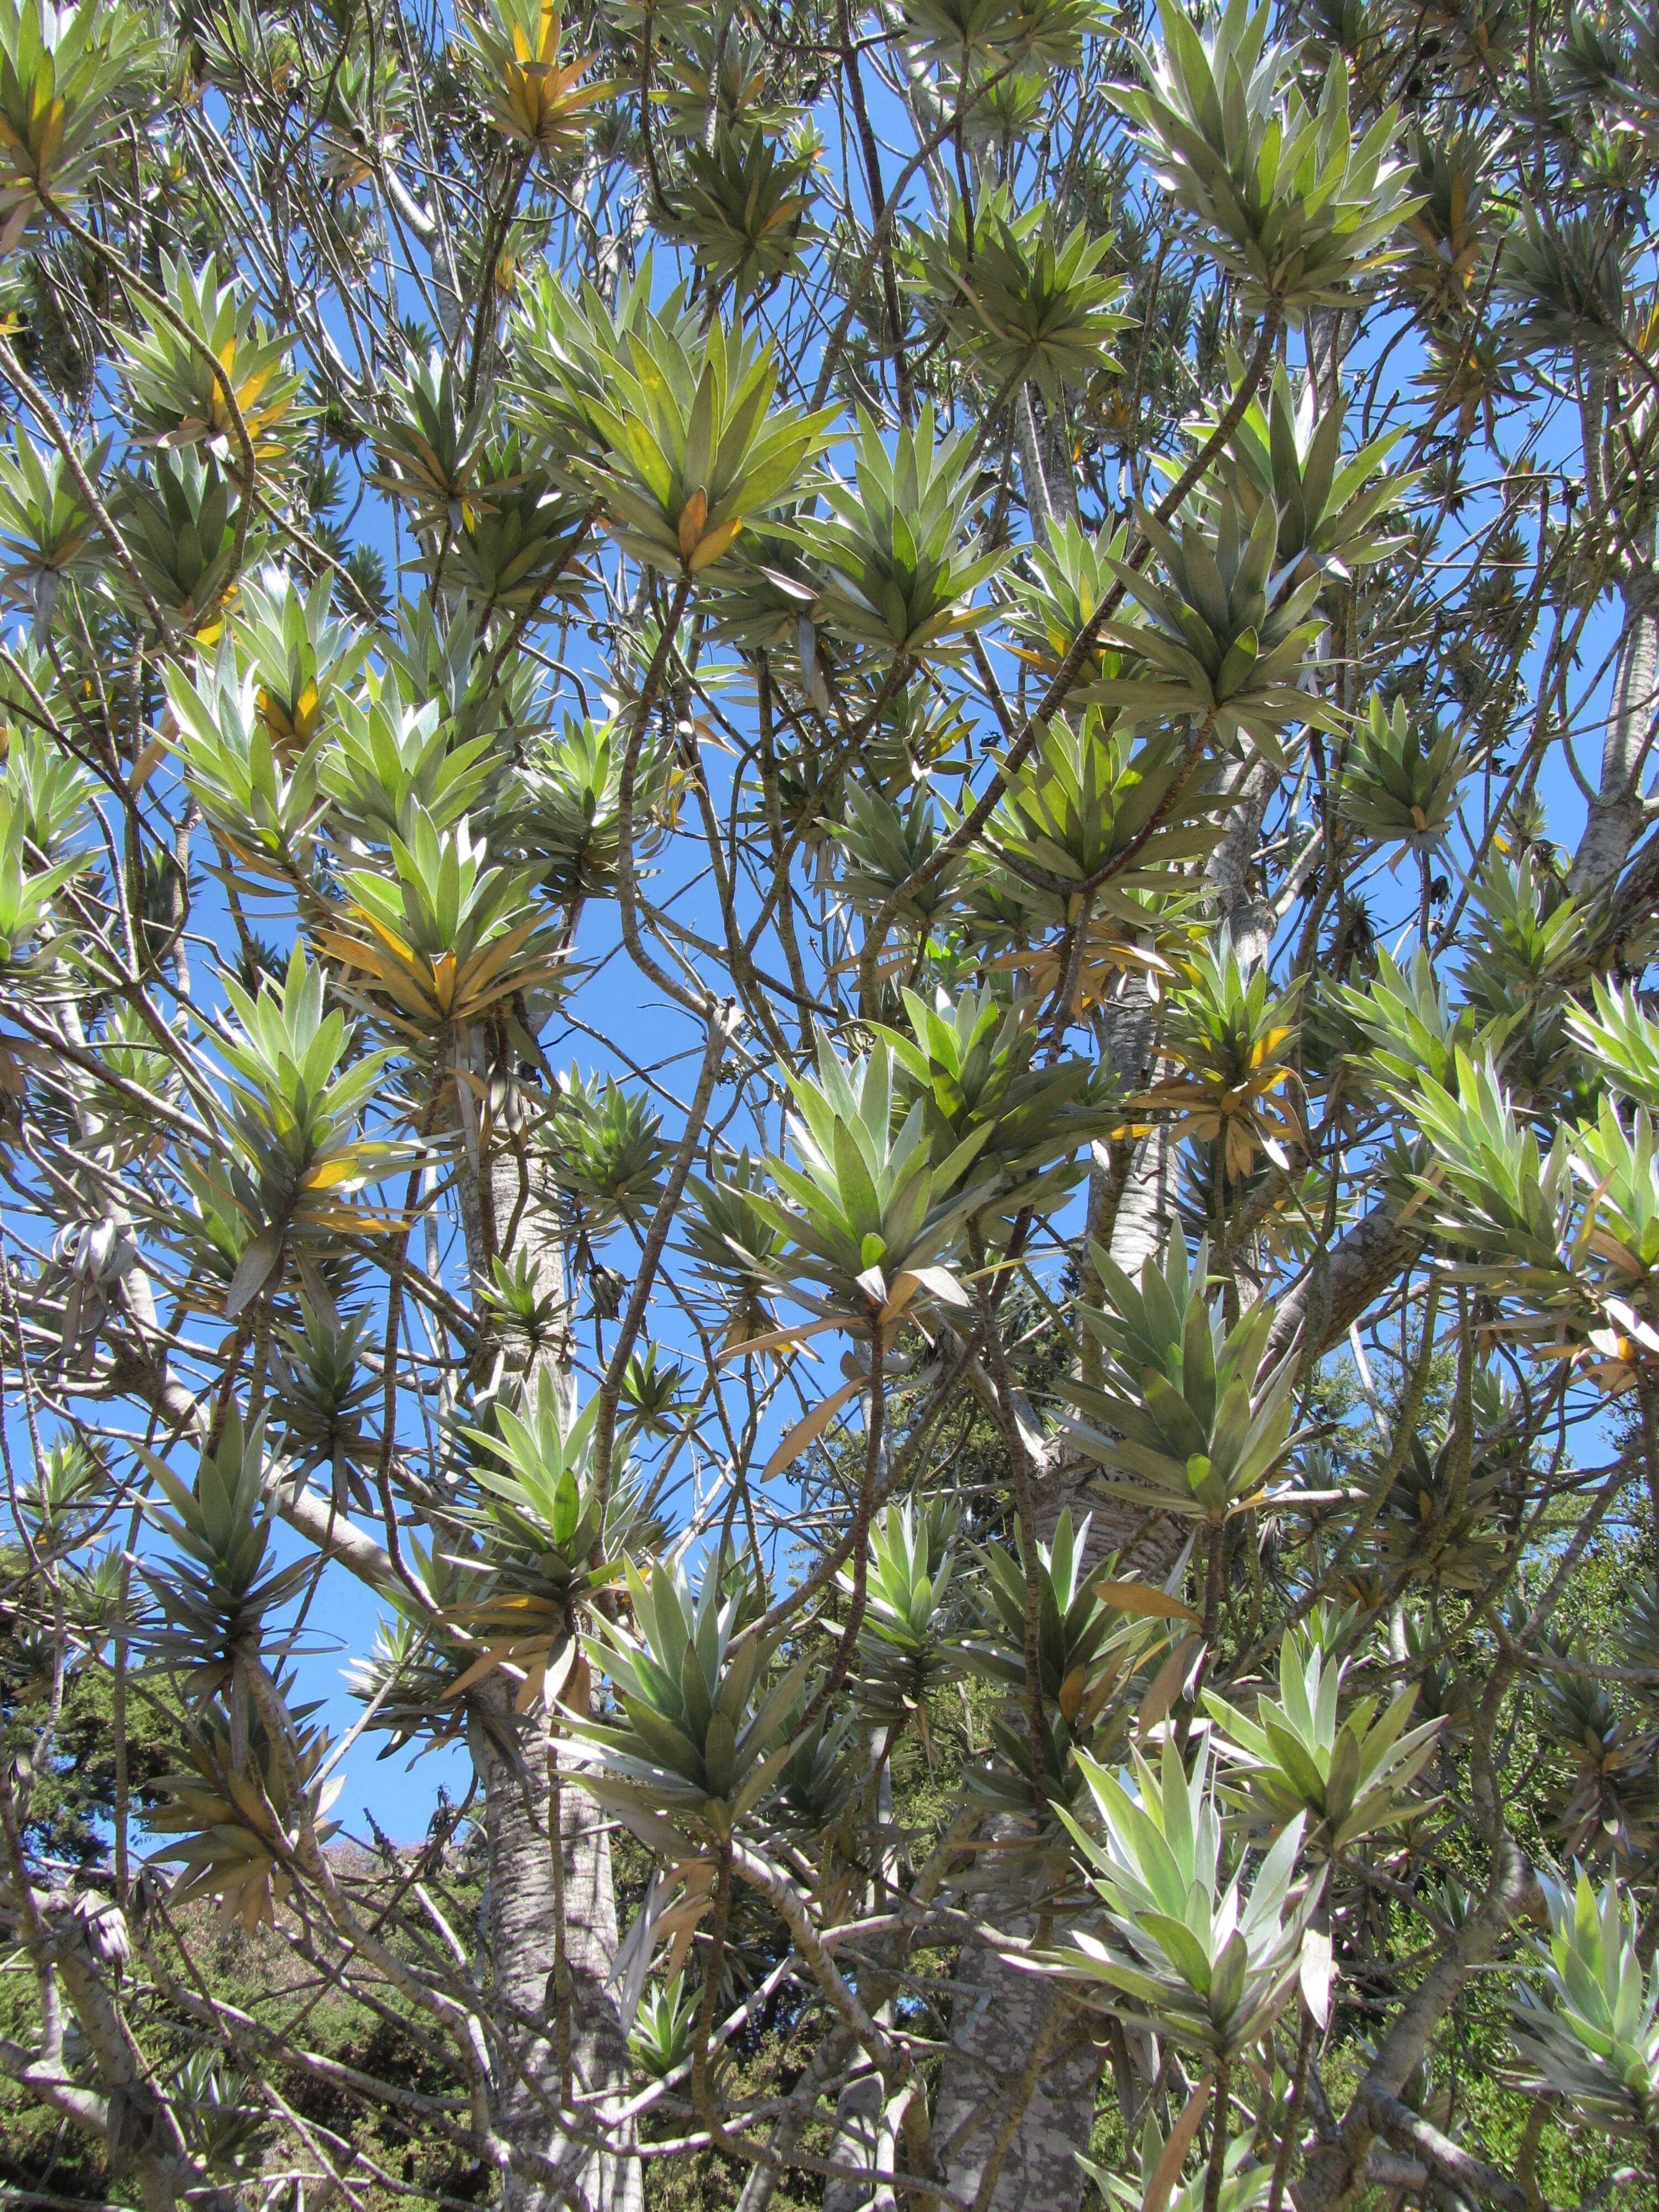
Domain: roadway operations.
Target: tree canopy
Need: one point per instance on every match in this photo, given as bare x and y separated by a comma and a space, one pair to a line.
827, 871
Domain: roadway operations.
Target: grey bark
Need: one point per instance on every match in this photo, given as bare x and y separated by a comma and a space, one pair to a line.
1615, 812
825, 2063
859, 2107
995, 2023
1037, 504
857, 2129
137, 2123
1001, 2012
1338, 1287
1129, 1189
1240, 910
507, 1209
1062, 472
524, 1916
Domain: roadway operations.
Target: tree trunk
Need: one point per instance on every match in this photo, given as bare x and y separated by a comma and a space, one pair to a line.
996, 2021
999, 2013
1037, 506
1615, 812
1246, 917
858, 2128
1128, 1181
525, 1915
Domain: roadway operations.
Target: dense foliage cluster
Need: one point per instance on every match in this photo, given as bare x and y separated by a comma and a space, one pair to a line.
826, 870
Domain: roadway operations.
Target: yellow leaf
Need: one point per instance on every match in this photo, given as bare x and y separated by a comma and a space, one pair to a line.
1071, 1695
808, 1430
328, 1173
796, 1333
486, 1664
693, 515
710, 548
1141, 1598
1166, 1685
147, 760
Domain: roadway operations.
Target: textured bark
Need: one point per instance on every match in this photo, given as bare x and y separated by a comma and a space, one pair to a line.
1337, 1290
1246, 917
1061, 470
995, 2023
505, 1210
524, 1920
1615, 812
825, 2063
1037, 504
857, 2125
135, 2121
1128, 1182
1001, 2012
859, 2107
